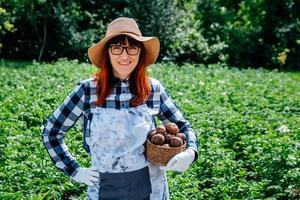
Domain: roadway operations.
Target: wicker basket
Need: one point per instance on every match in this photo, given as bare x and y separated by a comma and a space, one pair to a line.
160, 155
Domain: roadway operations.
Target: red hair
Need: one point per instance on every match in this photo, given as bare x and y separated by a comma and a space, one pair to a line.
138, 81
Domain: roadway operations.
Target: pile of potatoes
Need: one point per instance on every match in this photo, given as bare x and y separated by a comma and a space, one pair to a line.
167, 136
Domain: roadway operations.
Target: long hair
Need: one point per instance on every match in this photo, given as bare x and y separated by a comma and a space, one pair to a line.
138, 81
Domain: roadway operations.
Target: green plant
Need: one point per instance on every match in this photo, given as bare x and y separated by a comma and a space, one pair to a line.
247, 125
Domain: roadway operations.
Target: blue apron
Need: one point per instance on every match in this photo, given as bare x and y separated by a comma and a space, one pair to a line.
116, 143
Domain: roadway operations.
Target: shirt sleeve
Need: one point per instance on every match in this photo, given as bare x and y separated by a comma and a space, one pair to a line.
63, 118
169, 112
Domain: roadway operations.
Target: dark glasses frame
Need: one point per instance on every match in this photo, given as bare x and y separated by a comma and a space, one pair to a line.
124, 47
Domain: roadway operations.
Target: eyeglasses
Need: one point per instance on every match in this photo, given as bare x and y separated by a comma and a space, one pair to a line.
118, 49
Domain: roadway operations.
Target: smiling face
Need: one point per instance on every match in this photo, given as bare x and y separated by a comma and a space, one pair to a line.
124, 56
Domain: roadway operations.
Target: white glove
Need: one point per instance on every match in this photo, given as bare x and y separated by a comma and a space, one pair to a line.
181, 161
89, 176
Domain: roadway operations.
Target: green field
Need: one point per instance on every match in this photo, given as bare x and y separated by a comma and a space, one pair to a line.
247, 123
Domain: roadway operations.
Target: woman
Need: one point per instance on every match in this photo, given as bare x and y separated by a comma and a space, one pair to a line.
118, 105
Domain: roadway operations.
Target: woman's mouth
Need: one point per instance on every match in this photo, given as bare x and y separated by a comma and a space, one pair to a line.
125, 64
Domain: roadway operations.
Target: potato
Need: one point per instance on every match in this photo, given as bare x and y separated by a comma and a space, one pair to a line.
182, 136
168, 138
150, 135
158, 139
176, 142
172, 128
161, 130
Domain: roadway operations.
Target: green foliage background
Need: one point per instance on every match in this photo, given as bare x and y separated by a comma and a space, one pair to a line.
246, 120
241, 33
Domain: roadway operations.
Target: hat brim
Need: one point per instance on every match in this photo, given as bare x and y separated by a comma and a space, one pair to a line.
151, 45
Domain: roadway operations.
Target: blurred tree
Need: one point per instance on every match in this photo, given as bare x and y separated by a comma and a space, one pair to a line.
281, 33
6, 24
155, 18
259, 33
50, 29
243, 33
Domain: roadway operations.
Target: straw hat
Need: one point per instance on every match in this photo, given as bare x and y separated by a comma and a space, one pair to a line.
129, 27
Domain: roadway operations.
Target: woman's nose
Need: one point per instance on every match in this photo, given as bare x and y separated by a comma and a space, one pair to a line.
124, 54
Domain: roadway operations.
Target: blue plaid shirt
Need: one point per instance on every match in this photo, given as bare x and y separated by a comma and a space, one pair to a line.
78, 105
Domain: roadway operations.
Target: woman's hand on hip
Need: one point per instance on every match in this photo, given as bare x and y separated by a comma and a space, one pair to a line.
89, 176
